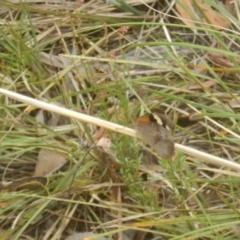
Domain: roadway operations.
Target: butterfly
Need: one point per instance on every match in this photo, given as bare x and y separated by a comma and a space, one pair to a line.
156, 130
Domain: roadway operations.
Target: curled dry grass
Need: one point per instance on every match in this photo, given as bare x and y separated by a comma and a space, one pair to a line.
92, 57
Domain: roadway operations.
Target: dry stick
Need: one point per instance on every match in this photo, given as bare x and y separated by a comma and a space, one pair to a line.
205, 157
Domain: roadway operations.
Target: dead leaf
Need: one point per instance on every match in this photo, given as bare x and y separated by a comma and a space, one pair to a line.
233, 103
186, 12
49, 161
229, 5
105, 143
199, 11
206, 84
219, 59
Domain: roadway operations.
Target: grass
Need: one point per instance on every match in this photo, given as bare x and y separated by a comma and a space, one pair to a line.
99, 65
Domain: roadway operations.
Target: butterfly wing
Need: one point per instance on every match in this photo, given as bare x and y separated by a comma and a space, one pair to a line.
157, 137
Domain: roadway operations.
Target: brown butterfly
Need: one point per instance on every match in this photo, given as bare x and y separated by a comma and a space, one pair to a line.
156, 130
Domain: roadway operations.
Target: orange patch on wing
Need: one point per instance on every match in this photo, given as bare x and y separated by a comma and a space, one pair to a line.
143, 119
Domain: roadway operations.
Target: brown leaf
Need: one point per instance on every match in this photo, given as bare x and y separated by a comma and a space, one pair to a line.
206, 84
105, 143
219, 59
229, 5
233, 103
186, 14
192, 11
48, 161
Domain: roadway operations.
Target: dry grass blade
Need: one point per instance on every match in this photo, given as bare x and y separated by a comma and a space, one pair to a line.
69, 113
114, 127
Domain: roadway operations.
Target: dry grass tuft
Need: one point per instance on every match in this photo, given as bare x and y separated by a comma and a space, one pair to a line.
113, 61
